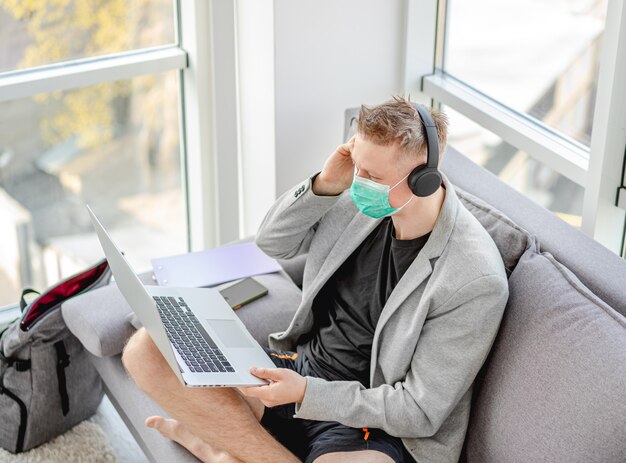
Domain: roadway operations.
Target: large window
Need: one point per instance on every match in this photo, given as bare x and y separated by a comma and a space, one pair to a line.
516, 168
114, 146
535, 94
539, 58
89, 114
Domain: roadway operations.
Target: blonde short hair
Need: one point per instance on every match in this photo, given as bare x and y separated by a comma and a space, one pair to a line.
397, 121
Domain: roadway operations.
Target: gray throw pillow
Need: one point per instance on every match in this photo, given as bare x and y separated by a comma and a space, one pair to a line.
99, 320
511, 240
553, 385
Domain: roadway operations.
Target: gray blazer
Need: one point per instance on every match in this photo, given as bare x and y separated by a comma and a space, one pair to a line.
434, 332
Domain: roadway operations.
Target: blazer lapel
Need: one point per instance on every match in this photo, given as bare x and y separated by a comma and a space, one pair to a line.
421, 267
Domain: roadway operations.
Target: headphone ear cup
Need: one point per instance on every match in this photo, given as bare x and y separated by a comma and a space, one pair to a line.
424, 180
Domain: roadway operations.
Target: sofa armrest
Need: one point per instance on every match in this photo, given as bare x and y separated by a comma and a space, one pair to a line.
100, 319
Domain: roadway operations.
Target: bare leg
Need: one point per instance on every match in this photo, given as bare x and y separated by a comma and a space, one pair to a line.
220, 417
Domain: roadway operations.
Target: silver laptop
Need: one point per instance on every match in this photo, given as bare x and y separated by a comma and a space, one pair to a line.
198, 333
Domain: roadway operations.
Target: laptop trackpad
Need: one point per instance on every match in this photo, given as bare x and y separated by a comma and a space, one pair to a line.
230, 333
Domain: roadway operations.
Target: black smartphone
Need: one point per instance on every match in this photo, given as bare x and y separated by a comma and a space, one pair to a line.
243, 292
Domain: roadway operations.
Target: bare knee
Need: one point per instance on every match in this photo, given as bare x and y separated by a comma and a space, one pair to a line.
255, 404
134, 347
144, 363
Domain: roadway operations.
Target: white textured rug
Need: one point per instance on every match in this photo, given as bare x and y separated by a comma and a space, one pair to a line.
84, 443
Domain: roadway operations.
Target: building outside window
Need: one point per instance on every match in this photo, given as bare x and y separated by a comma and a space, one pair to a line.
114, 145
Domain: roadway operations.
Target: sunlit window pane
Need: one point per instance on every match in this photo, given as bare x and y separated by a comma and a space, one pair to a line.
114, 146
39, 32
516, 168
540, 58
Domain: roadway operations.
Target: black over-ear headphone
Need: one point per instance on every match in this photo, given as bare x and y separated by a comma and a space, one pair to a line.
425, 179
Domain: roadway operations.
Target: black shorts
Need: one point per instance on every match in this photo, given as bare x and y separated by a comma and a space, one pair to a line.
308, 439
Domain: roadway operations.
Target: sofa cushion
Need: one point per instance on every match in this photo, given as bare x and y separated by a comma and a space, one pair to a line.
597, 267
102, 319
512, 240
553, 385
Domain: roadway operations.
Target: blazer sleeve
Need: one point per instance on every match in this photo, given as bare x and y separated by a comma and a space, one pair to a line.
453, 345
289, 225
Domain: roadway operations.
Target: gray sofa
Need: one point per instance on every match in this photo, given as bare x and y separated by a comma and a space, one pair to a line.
552, 388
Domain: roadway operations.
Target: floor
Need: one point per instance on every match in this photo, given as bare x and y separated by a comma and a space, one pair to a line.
120, 438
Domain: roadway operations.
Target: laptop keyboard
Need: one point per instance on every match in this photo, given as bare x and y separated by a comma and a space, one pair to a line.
189, 337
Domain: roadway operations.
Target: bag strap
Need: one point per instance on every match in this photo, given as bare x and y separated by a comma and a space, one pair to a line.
23, 302
63, 361
21, 433
19, 365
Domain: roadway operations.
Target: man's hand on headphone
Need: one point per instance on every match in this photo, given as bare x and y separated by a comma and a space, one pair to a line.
337, 173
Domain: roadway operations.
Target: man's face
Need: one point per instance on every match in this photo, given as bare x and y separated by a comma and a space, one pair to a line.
384, 165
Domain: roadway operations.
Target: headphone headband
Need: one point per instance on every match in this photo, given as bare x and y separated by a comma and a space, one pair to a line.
425, 179
432, 142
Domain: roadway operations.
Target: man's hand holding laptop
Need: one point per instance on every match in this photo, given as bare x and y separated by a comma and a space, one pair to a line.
286, 386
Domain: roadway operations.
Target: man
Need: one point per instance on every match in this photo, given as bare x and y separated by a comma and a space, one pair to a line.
402, 299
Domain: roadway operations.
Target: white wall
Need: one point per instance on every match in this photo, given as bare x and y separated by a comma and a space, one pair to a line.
329, 55
301, 63
255, 61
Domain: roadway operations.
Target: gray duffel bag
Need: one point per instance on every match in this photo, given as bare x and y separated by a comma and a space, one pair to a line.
47, 384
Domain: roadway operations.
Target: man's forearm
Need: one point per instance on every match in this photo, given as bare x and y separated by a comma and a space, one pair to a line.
288, 228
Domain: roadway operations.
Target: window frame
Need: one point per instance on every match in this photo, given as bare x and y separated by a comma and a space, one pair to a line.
207, 84
210, 143
15, 85
596, 168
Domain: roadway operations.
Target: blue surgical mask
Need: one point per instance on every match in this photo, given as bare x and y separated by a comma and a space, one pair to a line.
372, 198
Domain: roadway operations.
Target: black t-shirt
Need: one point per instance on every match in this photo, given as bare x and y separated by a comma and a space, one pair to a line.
347, 308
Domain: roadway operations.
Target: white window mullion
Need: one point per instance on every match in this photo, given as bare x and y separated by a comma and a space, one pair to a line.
197, 124
211, 144
226, 119
90, 71
421, 38
602, 219
257, 111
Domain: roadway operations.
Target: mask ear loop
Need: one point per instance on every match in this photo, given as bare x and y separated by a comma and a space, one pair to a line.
412, 195
410, 199
400, 181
